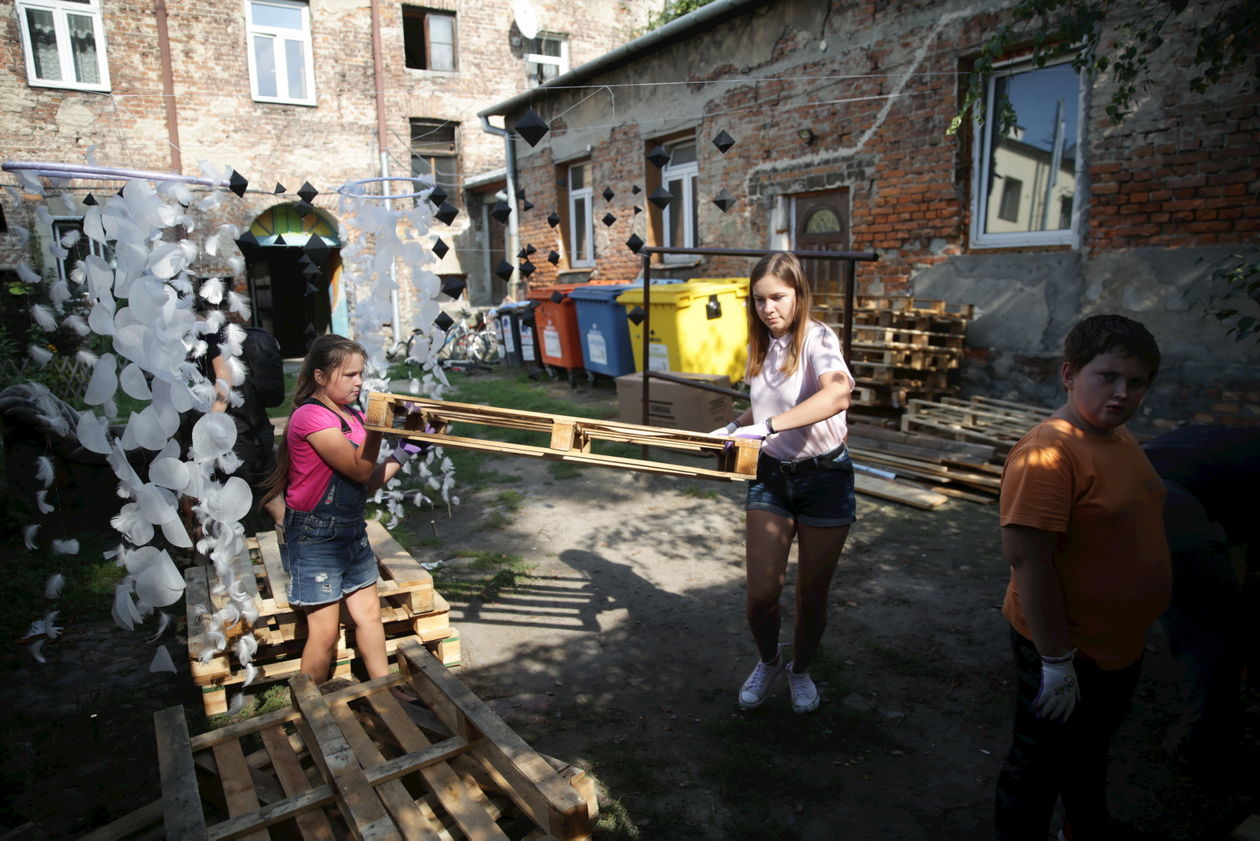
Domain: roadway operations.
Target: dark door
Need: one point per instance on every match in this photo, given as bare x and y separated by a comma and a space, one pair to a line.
822, 224
293, 305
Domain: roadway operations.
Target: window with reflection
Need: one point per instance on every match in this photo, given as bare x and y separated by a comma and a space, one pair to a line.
280, 66
64, 43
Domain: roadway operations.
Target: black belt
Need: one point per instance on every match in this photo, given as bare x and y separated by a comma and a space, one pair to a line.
804, 465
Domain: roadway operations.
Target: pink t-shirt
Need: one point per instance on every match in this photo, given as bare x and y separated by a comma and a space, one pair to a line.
308, 473
774, 392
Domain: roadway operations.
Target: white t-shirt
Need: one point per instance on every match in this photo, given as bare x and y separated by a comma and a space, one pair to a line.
774, 392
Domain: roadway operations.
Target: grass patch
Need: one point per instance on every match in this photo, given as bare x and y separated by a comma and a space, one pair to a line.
511, 500
695, 491
485, 577
269, 700
561, 470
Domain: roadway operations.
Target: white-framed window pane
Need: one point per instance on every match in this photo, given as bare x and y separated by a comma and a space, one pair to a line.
684, 153
295, 64
443, 57
276, 17
581, 230
43, 34
577, 177
83, 48
265, 65
675, 213
441, 42
1025, 174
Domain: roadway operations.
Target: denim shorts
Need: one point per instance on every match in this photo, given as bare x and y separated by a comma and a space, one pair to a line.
327, 559
813, 492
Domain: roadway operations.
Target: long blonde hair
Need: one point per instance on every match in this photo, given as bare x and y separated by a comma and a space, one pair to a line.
784, 266
328, 353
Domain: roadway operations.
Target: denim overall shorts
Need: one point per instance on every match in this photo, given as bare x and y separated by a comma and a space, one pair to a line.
327, 554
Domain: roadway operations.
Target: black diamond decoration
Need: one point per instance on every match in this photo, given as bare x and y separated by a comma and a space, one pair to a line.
303, 208
608, 194
634, 243
443, 321
553, 257
530, 249
307, 192
661, 197
557, 296
636, 189
527, 205
608, 219
247, 243
724, 200
279, 188
504, 269
440, 247
316, 248
310, 330
305, 260
437, 195
310, 289
280, 240
90, 200
522, 254
453, 287
637, 315
531, 127
637, 210
533, 304
237, 183
658, 157
723, 141
553, 219
501, 211
520, 193
528, 268
312, 270
446, 213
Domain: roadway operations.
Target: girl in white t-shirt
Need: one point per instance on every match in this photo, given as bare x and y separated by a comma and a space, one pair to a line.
800, 389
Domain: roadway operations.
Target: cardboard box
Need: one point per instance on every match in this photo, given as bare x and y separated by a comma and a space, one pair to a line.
674, 405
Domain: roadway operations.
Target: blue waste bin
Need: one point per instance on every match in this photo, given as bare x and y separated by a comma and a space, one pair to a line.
602, 324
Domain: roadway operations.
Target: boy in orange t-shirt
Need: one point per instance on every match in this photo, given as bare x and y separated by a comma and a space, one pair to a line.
1082, 528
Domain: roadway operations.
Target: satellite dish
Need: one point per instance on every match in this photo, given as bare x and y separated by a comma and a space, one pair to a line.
526, 18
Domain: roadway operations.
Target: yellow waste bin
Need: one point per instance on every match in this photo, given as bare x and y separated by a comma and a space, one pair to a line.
698, 327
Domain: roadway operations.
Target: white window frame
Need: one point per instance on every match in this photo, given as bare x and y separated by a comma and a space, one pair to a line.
560, 62
279, 35
584, 195
982, 136
689, 174
60, 9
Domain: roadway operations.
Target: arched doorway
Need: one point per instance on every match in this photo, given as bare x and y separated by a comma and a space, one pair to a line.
295, 276
821, 223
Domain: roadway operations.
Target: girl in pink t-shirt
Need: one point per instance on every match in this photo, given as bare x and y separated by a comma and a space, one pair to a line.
326, 466
800, 388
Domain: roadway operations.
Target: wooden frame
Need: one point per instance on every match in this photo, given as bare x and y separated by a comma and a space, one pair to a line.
570, 437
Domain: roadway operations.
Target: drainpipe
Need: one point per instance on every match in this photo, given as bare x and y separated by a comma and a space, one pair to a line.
515, 289
168, 85
382, 135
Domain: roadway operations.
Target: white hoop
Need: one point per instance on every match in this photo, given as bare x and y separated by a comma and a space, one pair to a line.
103, 173
347, 188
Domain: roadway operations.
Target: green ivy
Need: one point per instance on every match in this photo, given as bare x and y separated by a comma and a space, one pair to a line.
1238, 276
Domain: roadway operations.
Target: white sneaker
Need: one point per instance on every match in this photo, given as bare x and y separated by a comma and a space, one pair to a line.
754, 691
805, 698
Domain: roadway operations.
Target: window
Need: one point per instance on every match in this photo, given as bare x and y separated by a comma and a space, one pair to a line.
280, 66
64, 41
678, 220
581, 222
1025, 178
435, 152
80, 248
546, 57
428, 39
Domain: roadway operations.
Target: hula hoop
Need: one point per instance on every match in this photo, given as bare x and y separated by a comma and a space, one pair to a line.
103, 173
347, 188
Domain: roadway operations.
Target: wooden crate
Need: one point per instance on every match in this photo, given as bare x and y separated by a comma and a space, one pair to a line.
357, 763
410, 609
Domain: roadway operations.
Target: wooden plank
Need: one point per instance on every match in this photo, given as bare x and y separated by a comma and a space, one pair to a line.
978, 453
197, 592
128, 824
402, 573
361, 808
277, 578
445, 784
554, 805
181, 799
238, 790
897, 492
933, 470
1248, 830
287, 809
288, 769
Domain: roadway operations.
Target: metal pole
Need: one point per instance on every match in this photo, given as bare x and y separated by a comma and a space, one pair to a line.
850, 301
647, 323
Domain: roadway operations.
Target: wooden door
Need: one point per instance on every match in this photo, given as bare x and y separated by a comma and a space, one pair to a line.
821, 223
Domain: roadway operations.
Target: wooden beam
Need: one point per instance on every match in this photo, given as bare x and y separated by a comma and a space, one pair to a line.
181, 799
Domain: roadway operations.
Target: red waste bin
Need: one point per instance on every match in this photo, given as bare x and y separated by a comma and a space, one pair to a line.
559, 340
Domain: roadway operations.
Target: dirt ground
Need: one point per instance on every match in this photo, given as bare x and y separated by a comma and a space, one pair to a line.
622, 651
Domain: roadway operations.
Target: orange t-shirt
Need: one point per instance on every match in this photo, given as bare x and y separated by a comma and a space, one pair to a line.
1106, 502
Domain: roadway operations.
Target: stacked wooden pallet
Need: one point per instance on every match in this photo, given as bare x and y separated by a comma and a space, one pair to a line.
410, 609
915, 464
982, 420
903, 348
357, 763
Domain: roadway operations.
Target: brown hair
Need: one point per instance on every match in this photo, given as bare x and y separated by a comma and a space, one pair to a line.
784, 266
328, 353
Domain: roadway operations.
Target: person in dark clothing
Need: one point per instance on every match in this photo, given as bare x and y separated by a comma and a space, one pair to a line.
1211, 473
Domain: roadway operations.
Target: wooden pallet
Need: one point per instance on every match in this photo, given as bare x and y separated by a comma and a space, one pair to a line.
999, 423
410, 609
570, 438
357, 763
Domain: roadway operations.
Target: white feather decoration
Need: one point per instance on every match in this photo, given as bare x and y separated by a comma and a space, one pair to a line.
237, 264
70, 237
233, 340
44, 317
52, 587
44, 471
238, 703
28, 535
51, 628
238, 305
40, 355
125, 612
41, 502
78, 325
37, 650
164, 622
214, 320
162, 661
212, 289
65, 547
27, 274
59, 293
236, 369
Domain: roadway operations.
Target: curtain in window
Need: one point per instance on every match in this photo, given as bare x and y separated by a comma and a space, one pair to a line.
43, 32
83, 49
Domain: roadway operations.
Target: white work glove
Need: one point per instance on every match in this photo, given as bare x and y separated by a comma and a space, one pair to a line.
726, 430
756, 431
1060, 690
